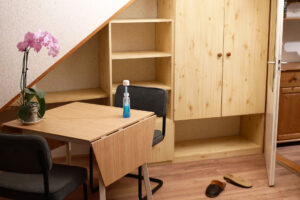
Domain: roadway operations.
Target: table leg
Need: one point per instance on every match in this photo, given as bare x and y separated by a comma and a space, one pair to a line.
68, 153
102, 190
147, 182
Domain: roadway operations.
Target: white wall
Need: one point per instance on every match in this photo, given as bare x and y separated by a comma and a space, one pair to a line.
291, 34
70, 21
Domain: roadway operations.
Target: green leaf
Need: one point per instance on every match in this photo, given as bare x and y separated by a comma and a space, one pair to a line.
29, 91
40, 94
24, 112
42, 108
28, 97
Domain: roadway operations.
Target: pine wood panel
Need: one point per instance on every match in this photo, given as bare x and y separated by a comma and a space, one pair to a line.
214, 148
166, 9
198, 69
75, 95
144, 20
105, 61
138, 54
252, 127
130, 146
155, 84
70, 96
245, 56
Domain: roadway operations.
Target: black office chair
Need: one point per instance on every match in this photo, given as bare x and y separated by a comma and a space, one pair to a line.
27, 172
147, 99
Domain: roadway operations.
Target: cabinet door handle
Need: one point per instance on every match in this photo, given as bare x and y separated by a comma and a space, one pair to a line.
228, 54
220, 55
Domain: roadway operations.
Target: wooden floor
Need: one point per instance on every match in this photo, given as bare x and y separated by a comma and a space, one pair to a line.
188, 181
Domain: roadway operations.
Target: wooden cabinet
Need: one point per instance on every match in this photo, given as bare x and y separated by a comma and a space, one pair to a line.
289, 106
245, 56
220, 57
198, 58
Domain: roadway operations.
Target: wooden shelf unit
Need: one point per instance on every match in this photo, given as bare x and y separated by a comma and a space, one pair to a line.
218, 137
140, 50
139, 54
155, 84
212, 148
75, 95
143, 20
71, 96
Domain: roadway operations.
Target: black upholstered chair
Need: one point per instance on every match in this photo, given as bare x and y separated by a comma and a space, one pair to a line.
147, 99
27, 171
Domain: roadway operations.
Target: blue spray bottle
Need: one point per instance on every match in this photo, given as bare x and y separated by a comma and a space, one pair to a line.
126, 100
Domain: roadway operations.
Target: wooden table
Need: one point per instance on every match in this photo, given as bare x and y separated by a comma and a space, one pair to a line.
120, 145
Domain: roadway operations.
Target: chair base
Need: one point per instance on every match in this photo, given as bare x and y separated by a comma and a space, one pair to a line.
140, 178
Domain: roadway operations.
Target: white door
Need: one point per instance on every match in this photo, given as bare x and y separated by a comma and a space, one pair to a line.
273, 87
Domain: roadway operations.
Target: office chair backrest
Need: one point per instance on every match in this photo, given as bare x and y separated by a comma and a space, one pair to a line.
144, 98
24, 154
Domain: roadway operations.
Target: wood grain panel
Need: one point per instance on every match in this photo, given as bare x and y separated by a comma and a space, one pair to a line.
125, 150
252, 127
166, 9
105, 61
290, 79
188, 181
81, 122
291, 66
289, 116
246, 35
211, 148
290, 90
198, 69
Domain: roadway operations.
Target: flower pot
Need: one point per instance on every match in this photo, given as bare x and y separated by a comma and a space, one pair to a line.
33, 116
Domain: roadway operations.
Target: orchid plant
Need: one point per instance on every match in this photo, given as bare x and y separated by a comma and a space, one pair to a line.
36, 41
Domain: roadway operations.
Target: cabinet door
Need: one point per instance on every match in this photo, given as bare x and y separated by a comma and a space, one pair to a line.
289, 116
198, 58
245, 56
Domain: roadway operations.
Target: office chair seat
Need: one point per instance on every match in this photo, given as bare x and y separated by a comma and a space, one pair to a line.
62, 181
157, 137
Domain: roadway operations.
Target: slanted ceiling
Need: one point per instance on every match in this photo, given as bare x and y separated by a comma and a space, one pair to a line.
72, 22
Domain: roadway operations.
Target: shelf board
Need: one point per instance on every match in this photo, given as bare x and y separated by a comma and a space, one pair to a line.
75, 95
72, 95
211, 148
154, 84
292, 66
143, 20
139, 54
292, 19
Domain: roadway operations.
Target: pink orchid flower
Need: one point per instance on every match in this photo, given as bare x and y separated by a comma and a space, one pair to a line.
37, 40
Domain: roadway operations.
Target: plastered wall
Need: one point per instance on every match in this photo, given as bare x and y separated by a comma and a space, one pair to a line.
70, 21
